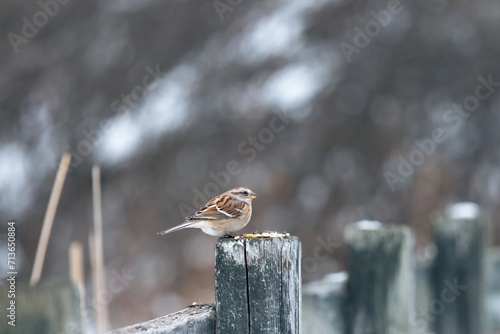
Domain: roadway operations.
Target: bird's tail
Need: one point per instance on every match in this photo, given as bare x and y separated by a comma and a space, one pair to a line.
176, 228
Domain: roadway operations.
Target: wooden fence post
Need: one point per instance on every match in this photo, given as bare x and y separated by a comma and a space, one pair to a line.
257, 285
493, 291
381, 282
459, 271
323, 305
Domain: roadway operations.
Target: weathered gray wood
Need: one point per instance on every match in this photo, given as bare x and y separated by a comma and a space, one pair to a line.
422, 320
323, 305
258, 285
42, 309
381, 282
231, 286
291, 287
427, 304
493, 294
459, 272
197, 319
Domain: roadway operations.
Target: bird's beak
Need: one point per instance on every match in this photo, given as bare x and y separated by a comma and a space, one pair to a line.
253, 195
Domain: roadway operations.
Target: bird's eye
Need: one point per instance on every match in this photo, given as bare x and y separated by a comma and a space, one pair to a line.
245, 193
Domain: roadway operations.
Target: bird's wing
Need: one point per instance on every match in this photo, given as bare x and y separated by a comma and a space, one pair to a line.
219, 209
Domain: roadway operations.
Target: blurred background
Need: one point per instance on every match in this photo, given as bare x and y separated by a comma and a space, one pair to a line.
331, 111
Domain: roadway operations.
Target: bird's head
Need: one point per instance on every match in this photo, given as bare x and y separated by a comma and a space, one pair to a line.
243, 194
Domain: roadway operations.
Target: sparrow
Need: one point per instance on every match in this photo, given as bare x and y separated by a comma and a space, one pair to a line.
222, 215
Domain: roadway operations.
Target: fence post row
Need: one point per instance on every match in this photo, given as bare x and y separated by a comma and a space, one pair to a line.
258, 285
